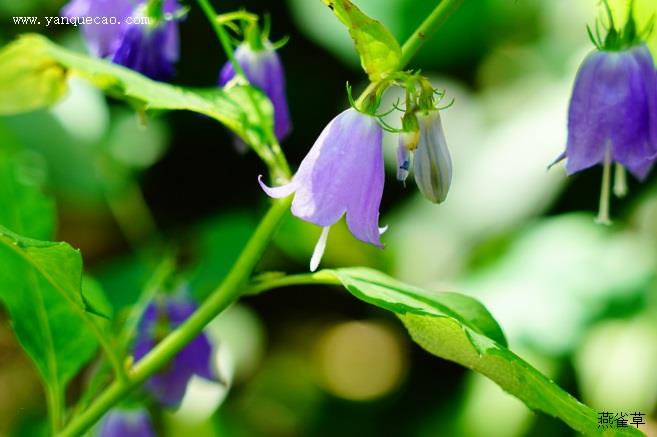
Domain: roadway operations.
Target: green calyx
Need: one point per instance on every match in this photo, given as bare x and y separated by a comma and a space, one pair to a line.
420, 96
154, 9
246, 27
618, 38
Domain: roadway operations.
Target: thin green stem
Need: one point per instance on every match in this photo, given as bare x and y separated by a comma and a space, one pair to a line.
55, 408
223, 36
109, 351
219, 300
277, 163
414, 43
319, 278
429, 26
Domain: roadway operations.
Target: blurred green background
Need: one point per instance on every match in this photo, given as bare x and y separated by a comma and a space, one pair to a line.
575, 299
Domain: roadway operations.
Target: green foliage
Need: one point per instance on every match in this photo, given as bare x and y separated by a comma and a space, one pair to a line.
460, 329
24, 209
33, 74
379, 51
217, 246
94, 298
29, 77
40, 284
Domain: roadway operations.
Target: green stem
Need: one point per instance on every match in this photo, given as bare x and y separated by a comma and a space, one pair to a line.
319, 278
277, 163
422, 34
429, 26
110, 351
219, 300
55, 408
223, 36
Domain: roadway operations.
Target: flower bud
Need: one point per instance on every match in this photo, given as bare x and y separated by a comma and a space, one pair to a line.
342, 174
432, 164
264, 69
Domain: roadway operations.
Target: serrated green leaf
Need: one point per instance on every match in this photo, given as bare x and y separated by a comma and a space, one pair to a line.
460, 329
383, 291
40, 286
379, 51
40, 281
33, 73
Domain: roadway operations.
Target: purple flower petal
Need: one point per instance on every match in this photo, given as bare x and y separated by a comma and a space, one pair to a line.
102, 39
169, 385
150, 50
614, 106
126, 423
278, 192
263, 69
342, 173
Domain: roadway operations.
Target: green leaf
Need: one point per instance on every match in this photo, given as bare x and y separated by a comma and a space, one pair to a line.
379, 51
23, 207
460, 329
33, 73
94, 298
29, 78
385, 292
40, 281
40, 285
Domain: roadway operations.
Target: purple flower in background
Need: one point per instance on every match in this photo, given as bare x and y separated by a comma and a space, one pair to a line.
126, 423
264, 69
342, 174
160, 318
151, 49
613, 112
102, 39
145, 37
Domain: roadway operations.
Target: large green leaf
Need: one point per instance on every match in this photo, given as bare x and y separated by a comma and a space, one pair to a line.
33, 73
379, 51
460, 329
40, 282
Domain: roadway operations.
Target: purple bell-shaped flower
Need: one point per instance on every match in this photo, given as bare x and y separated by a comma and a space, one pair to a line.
161, 317
126, 423
151, 49
613, 111
102, 37
263, 69
144, 37
341, 174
